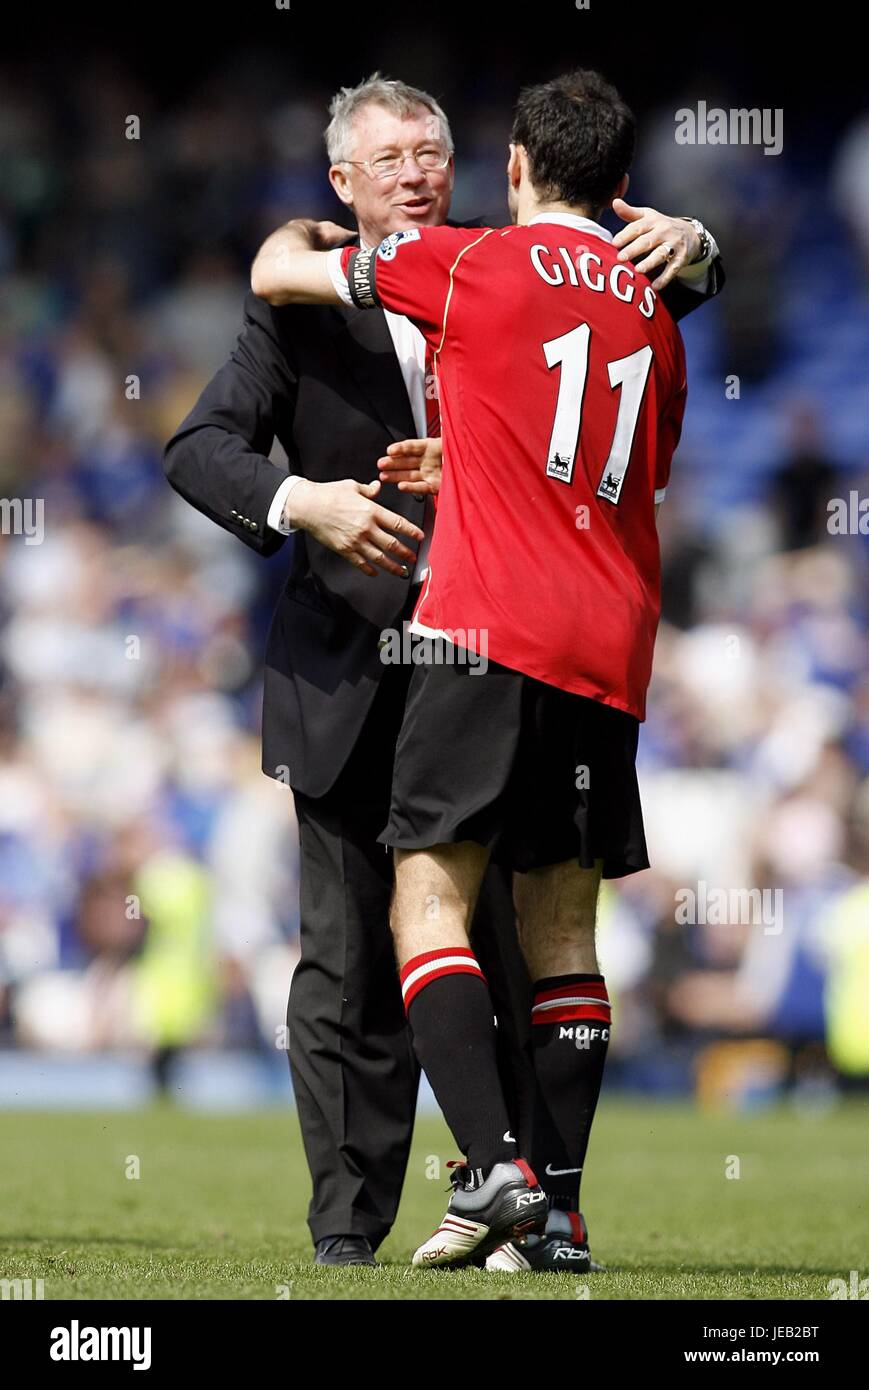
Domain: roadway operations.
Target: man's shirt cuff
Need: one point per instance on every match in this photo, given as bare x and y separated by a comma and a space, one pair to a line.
275, 518
696, 276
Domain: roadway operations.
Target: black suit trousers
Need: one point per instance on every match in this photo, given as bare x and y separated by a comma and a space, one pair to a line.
354, 1071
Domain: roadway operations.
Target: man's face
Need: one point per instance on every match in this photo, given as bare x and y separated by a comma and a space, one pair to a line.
412, 198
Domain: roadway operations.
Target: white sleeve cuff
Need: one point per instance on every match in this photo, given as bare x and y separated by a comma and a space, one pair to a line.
275, 518
660, 494
337, 276
696, 276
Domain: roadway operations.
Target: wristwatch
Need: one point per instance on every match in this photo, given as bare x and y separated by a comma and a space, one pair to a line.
705, 240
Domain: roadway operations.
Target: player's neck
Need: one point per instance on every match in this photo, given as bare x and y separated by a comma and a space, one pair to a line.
540, 209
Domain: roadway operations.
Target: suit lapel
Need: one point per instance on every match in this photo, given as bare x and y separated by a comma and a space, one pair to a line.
365, 345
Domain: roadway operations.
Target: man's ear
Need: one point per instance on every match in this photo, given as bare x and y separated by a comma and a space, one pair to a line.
619, 192
514, 165
341, 184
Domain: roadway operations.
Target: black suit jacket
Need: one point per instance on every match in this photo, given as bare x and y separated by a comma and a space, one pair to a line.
326, 382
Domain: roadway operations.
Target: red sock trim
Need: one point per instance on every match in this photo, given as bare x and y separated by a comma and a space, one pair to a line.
423, 959
574, 1013
593, 989
429, 966
583, 1002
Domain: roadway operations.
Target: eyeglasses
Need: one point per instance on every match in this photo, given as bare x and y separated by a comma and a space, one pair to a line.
387, 166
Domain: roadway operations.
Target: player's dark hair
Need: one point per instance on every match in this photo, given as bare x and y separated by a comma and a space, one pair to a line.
579, 136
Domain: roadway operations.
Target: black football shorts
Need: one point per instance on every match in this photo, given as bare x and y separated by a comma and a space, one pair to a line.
537, 774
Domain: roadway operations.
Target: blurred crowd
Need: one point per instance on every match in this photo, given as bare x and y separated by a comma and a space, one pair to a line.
148, 870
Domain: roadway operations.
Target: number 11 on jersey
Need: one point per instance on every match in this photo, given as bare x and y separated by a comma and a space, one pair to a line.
570, 353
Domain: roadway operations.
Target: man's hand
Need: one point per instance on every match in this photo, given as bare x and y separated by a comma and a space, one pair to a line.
343, 517
414, 465
649, 234
319, 236
277, 265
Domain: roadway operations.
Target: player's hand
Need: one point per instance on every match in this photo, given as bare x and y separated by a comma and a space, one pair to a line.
648, 235
328, 234
414, 465
344, 517
316, 236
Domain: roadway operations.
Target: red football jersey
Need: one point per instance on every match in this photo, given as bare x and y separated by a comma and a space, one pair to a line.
562, 388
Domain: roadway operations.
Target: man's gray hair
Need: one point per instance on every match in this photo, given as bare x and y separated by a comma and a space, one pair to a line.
397, 97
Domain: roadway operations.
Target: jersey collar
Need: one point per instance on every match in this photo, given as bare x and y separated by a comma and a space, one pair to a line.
573, 219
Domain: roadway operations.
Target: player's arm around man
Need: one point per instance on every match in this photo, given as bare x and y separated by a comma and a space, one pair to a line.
291, 266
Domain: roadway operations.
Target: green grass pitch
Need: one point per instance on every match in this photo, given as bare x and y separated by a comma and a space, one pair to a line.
218, 1210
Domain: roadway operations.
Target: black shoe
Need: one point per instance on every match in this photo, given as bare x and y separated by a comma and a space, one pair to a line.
344, 1250
483, 1213
561, 1249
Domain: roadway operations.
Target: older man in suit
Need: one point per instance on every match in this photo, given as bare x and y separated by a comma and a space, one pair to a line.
336, 387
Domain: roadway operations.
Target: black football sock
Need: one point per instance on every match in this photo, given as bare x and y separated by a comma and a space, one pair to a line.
570, 1028
450, 1015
